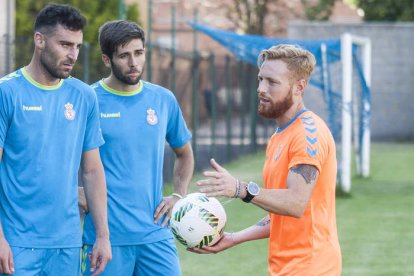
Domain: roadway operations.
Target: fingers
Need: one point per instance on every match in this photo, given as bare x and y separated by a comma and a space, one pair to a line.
6, 262
98, 263
166, 219
101, 268
203, 250
213, 174
213, 190
216, 187
164, 208
161, 210
216, 166
11, 263
93, 257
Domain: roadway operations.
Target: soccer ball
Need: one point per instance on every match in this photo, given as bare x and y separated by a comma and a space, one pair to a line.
198, 220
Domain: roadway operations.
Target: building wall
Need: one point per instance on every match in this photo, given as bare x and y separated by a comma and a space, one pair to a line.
392, 85
7, 33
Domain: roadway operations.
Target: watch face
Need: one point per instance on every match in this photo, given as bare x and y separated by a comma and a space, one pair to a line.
253, 188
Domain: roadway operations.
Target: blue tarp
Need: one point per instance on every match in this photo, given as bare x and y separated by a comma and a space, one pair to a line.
247, 47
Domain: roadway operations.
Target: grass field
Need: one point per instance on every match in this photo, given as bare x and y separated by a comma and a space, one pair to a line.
375, 222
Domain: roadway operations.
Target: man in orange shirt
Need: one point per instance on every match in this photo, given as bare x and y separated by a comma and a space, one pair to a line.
299, 174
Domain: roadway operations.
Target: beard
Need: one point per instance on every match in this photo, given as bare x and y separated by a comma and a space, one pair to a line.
49, 61
123, 77
277, 109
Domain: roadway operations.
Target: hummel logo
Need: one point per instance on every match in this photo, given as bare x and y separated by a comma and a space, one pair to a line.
111, 115
32, 108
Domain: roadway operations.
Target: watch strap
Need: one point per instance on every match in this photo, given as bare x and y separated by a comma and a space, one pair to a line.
248, 196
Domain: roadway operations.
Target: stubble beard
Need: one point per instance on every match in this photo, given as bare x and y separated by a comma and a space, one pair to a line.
123, 78
47, 57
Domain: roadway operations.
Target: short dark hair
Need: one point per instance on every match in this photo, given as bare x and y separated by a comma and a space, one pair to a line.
53, 14
118, 32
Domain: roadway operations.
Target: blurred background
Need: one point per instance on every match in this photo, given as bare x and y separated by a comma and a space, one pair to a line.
216, 89
213, 86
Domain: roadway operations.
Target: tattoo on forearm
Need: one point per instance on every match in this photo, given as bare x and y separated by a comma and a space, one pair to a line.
308, 172
264, 221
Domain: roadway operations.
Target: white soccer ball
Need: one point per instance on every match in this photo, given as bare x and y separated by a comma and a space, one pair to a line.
198, 220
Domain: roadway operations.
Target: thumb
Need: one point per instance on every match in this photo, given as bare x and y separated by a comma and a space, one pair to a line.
216, 166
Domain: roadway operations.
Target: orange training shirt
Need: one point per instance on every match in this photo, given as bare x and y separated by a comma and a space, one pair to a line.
308, 245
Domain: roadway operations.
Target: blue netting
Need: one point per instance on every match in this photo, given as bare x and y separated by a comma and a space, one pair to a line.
248, 47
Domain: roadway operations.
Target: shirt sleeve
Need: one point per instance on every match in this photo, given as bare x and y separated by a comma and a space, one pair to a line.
308, 147
5, 106
177, 132
93, 136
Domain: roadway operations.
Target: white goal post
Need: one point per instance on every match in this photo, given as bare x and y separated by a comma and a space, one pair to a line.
348, 120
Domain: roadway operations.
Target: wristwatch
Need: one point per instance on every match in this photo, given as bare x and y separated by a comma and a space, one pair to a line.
252, 190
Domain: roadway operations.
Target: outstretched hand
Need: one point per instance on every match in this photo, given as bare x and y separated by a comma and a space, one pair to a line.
219, 183
165, 208
224, 243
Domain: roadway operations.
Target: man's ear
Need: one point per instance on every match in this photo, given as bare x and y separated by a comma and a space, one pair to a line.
300, 87
106, 60
39, 40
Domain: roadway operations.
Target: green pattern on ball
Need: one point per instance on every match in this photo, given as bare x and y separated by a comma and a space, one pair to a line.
208, 217
203, 198
178, 237
205, 241
182, 211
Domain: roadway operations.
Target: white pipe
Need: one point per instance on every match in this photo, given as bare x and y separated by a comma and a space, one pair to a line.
346, 58
366, 135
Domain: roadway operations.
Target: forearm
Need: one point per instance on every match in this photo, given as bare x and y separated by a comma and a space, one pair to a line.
284, 202
183, 170
261, 230
1, 232
293, 200
96, 197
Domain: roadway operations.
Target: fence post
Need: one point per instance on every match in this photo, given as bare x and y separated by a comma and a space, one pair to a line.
253, 107
149, 44
229, 107
195, 74
243, 89
85, 58
213, 97
173, 52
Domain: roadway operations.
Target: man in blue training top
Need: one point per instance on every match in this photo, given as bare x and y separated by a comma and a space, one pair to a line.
137, 118
49, 128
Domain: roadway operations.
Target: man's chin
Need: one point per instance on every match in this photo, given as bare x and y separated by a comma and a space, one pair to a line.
262, 112
134, 81
60, 74
65, 75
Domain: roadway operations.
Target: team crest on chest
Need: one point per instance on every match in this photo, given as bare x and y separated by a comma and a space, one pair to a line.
152, 119
69, 112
